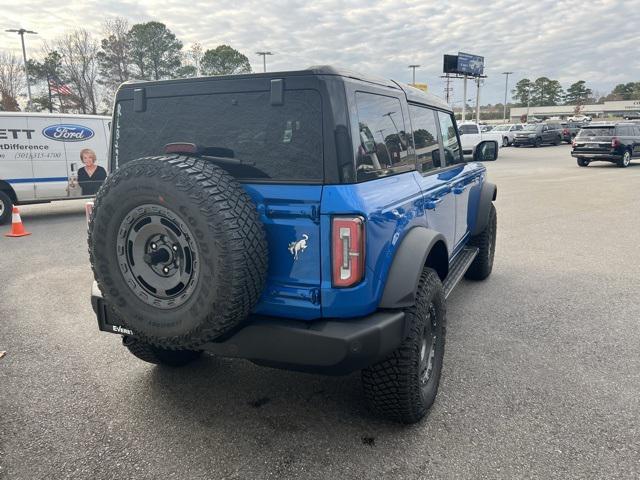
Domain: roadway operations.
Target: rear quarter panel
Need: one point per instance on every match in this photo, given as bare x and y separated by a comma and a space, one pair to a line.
391, 206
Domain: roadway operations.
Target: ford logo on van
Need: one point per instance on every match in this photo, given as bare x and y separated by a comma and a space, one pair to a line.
68, 133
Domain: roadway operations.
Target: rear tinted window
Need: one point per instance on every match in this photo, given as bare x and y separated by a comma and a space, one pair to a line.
383, 139
467, 129
282, 142
596, 132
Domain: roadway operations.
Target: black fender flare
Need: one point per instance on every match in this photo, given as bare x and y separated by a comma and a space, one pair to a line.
8, 189
408, 263
488, 194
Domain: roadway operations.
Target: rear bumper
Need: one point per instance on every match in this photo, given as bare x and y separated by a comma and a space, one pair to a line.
327, 346
607, 157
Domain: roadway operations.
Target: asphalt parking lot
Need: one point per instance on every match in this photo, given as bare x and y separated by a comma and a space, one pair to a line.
541, 376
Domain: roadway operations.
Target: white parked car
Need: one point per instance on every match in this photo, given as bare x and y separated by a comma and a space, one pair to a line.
472, 137
45, 157
508, 131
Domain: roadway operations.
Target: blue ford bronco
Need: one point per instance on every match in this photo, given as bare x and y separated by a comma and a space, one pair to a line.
312, 220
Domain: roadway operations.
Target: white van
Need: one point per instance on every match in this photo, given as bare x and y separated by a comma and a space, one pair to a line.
40, 157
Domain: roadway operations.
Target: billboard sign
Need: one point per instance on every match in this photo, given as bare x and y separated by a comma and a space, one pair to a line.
470, 64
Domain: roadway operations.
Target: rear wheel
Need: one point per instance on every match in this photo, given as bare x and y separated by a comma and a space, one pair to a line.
482, 265
625, 160
6, 206
558, 141
583, 162
160, 356
403, 386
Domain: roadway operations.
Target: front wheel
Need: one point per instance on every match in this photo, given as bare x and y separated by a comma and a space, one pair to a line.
6, 206
625, 160
505, 142
160, 356
482, 265
537, 142
403, 386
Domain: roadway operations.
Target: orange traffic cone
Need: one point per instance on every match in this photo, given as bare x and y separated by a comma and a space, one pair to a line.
17, 229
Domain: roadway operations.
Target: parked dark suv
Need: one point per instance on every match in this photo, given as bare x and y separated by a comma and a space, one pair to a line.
570, 130
616, 143
536, 134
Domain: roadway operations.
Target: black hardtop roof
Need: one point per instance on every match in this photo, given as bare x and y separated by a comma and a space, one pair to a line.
413, 94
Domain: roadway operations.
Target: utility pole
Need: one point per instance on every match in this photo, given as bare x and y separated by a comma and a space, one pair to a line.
21, 32
528, 100
264, 59
447, 88
464, 100
506, 83
478, 100
413, 67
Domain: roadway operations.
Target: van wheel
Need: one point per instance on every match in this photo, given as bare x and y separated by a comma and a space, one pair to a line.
6, 206
625, 160
160, 356
403, 386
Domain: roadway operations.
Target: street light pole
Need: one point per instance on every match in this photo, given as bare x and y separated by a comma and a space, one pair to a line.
464, 100
264, 59
413, 67
506, 83
21, 32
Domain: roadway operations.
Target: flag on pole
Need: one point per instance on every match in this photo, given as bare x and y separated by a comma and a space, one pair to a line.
58, 87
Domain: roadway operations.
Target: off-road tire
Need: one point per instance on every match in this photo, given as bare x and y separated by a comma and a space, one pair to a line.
6, 207
582, 162
625, 160
227, 236
482, 265
160, 356
393, 387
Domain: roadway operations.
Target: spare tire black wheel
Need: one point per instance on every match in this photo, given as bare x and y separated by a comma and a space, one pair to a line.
178, 249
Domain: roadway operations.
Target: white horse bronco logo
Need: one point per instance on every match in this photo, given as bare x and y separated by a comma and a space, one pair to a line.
295, 248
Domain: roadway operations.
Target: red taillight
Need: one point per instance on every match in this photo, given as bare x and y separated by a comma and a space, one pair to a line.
347, 248
565, 131
615, 143
573, 143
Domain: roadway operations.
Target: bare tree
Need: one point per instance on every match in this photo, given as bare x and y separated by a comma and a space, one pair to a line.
11, 81
80, 67
114, 56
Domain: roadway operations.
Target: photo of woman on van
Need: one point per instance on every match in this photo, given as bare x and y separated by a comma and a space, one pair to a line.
91, 176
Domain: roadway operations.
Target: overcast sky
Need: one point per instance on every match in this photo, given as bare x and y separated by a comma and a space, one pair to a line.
594, 40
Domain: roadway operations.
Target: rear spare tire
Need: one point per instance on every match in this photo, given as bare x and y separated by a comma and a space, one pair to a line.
178, 249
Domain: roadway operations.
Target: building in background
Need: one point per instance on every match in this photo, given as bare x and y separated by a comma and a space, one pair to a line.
619, 108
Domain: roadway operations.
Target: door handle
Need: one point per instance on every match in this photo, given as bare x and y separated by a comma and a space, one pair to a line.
431, 203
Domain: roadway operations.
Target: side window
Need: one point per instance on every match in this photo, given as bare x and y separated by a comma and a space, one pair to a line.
452, 150
636, 131
383, 139
425, 136
468, 129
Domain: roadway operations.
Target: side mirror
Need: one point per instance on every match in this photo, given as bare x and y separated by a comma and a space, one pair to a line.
486, 152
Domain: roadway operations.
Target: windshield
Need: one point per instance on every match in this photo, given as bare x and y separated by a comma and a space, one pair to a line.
597, 132
530, 127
